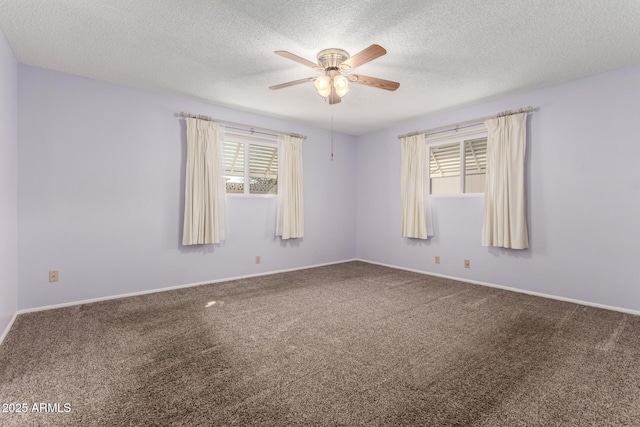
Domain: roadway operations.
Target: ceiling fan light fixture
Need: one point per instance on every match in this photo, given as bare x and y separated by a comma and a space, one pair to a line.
323, 86
333, 85
341, 85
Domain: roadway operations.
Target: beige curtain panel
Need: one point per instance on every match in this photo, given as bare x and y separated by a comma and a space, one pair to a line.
290, 212
205, 188
505, 222
416, 212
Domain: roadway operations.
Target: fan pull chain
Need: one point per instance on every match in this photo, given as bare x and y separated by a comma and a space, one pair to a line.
331, 107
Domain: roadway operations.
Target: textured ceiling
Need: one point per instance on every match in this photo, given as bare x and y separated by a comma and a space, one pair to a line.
445, 53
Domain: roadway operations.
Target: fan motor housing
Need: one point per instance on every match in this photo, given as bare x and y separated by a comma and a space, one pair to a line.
330, 59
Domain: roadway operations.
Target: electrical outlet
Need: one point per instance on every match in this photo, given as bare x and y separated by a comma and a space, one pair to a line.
467, 263
53, 275
258, 259
437, 260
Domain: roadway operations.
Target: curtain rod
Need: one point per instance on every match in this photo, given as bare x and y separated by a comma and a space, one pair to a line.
234, 125
467, 124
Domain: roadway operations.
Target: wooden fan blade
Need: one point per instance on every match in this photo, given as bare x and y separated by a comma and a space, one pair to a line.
373, 81
293, 83
369, 54
333, 97
299, 60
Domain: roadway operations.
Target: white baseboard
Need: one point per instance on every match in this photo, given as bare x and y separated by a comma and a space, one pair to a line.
6, 330
171, 288
507, 288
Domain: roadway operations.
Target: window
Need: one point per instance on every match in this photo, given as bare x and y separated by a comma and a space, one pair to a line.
456, 156
252, 160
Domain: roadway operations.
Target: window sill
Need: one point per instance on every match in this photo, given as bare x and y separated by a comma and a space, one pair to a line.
456, 196
252, 196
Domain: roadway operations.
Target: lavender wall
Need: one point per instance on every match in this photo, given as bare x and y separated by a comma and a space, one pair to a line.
101, 187
583, 184
8, 184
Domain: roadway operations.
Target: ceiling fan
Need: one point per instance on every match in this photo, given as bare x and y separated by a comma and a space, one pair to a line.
333, 85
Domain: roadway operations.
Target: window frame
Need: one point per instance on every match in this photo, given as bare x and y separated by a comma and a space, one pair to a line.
452, 137
247, 140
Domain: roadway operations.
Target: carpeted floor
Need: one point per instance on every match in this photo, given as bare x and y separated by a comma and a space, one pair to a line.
350, 344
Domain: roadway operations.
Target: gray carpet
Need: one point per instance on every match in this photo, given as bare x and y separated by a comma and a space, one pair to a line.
349, 344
